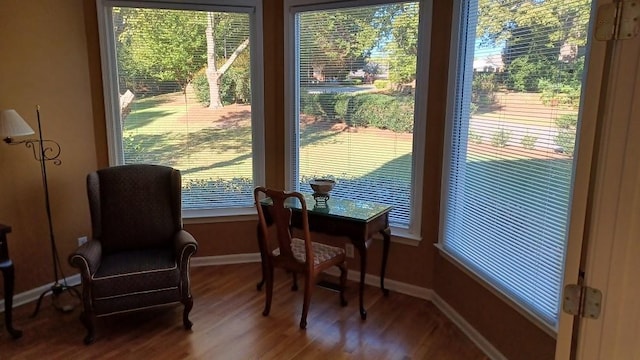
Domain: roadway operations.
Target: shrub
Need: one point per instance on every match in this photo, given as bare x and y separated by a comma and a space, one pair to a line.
196, 192
309, 104
381, 84
393, 112
475, 137
559, 94
500, 138
201, 87
473, 108
383, 111
235, 86
327, 104
529, 141
484, 89
566, 137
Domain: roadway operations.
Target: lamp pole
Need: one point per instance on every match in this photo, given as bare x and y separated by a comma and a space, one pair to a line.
57, 288
44, 151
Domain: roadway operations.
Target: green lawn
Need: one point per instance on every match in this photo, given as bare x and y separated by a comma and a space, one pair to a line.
176, 130
212, 148
158, 130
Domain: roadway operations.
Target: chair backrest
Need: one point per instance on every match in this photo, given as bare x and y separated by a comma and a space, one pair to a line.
278, 216
134, 206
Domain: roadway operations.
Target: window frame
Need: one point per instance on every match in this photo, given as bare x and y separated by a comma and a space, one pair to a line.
111, 95
581, 168
413, 234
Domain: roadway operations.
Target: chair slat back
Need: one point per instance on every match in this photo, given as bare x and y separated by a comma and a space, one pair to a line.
278, 216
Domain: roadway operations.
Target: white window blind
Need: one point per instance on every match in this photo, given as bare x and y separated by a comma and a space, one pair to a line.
517, 98
184, 79
355, 103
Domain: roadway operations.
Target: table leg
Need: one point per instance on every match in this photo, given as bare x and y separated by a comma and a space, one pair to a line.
362, 251
8, 275
386, 241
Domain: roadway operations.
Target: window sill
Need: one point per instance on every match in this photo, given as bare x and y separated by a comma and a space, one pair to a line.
207, 216
402, 236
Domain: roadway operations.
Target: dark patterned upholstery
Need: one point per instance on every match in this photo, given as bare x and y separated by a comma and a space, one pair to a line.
139, 254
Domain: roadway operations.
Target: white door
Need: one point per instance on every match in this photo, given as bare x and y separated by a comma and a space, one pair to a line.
612, 234
613, 250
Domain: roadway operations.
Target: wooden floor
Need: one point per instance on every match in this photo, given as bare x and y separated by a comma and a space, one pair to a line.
228, 324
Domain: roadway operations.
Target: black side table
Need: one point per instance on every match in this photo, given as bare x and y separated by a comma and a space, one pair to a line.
6, 266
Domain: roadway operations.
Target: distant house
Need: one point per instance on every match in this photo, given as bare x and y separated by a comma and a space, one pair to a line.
490, 63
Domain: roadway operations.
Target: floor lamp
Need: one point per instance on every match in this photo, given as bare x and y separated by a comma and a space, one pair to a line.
44, 151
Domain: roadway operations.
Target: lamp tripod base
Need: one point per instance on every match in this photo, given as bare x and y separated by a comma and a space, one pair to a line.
56, 290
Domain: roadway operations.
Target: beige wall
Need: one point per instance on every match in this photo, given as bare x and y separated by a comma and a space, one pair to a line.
54, 61
44, 61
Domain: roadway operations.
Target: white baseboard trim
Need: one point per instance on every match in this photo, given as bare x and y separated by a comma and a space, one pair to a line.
466, 328
412, 290
33, 294
393, 285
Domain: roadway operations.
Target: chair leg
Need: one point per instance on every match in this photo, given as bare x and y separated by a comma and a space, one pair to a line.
308, 288
188, 305
343, 282
269, 291
88, 322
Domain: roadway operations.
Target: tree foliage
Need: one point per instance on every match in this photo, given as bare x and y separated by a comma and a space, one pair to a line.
157, 46
540, 37
165, 45
403, 44
335, 42
558, 22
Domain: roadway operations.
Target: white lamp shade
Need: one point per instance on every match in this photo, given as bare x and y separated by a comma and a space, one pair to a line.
12, 124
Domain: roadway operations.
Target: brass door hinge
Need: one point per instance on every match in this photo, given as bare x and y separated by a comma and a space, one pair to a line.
582, 301
618, 20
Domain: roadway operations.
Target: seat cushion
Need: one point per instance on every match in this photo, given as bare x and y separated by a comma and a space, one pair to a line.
322, 252
137, 271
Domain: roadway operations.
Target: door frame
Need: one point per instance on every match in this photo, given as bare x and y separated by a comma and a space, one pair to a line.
612, 244
587, 138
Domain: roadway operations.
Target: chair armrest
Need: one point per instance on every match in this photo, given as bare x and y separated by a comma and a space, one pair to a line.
87, 258
185, 245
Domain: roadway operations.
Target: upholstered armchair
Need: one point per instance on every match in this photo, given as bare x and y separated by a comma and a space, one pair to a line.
138, 257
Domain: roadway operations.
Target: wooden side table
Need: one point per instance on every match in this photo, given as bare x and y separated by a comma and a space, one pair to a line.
6, 266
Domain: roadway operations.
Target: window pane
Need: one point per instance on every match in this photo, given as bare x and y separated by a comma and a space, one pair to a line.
356, 72
516, 110
185, 84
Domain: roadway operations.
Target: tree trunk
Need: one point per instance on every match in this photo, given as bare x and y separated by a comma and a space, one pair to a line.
125, 105
213, 73
213, 76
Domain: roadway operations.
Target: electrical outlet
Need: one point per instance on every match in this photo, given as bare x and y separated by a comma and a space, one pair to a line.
349, 250
82, 240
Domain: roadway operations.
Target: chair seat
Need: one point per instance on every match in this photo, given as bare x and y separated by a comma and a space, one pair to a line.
322, 252
142, 270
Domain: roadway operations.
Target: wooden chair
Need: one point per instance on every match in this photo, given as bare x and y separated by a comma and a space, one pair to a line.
296, 255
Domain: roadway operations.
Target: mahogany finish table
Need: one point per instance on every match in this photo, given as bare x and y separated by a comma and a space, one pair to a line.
356, 219
6, 266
